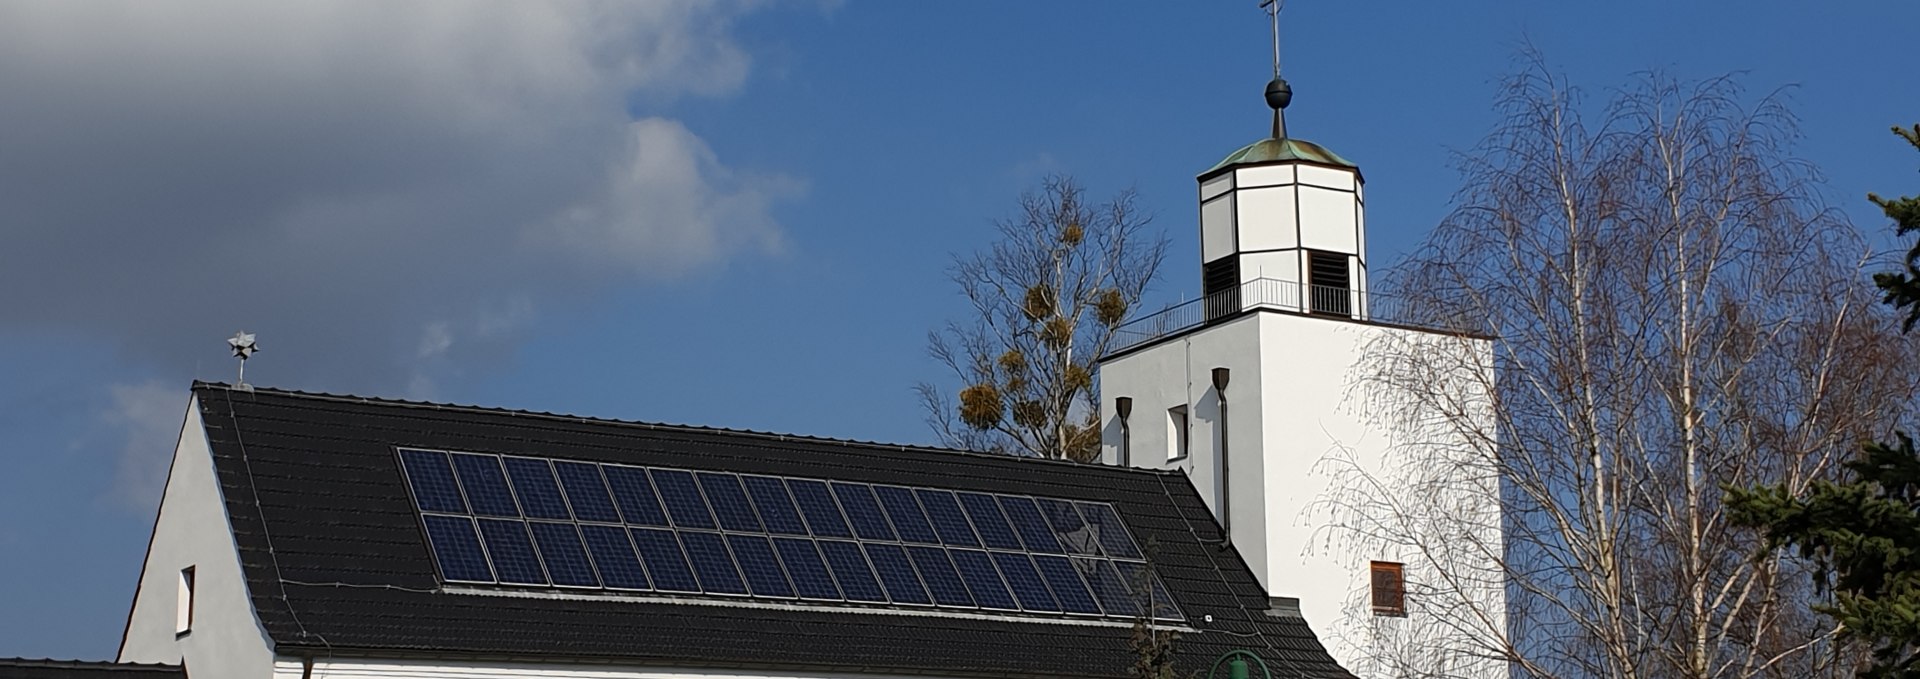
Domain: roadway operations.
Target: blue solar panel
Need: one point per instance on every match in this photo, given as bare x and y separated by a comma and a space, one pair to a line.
762, 568
665, 562
1110, 531
862, 511
776, 509
457, 549
712, 563
1026, 583
983, 579
851, 570
635, 493
1033, 530
586, 493
810, 577
1107, 586
769, 537
1146, 587
1066, 584
514, 561
533, 484
613, 557
987, 519
485, 485
947, 518
906, 515
822, 512
565, 556
896, 573
433, 486
729, 501
942, 580
1069, 527
683, 500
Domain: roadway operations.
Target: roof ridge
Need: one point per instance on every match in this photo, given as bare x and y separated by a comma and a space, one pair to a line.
60, 662
727, 431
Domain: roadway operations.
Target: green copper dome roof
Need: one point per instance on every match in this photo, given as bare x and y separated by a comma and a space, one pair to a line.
1274, 150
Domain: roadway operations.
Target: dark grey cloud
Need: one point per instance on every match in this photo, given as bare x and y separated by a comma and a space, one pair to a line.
382, 190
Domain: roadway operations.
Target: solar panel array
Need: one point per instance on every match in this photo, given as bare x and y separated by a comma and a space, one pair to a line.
534, 522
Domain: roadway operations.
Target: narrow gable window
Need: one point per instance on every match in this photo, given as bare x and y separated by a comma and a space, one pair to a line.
1389, 589
1177, 432
183, 603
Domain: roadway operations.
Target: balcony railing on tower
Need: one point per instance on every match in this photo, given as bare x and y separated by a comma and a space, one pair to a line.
1270, 293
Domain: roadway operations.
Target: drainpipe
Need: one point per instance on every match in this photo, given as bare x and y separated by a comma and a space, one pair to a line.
1226, 498
1124, 407
306, 667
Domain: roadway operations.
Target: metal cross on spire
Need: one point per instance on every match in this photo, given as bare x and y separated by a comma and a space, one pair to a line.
1279, 93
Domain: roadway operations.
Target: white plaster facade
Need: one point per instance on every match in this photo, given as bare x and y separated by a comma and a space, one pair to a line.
1295, 420
225, 639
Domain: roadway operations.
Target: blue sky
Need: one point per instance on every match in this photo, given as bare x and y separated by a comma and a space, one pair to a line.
732, 213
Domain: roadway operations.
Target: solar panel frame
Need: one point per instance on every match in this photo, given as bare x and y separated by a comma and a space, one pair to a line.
1067, 585
666, 560
729, 502
586, 491
943, 581
1028, 586
766, 577
565, 554
484, 484
536, 488
983, 579
446, 535
819, 508
852, 571
863, 511
510, 550
774, 538
713, 563
949, 520
616, 568
431, 491
685, 504
632, 486
1074, 532
1111, 532
812, 577
778, 513
897, 574
904, 512
989, 522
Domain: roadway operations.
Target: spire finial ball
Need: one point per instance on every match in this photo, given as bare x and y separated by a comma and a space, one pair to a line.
1279, 93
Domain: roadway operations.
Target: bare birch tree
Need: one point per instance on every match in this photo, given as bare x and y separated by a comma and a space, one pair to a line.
1674, 309
1046, 299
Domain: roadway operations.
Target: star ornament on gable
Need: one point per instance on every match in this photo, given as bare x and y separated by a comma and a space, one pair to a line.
243, 345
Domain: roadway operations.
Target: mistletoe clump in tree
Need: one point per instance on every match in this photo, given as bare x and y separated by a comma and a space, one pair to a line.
1046, 299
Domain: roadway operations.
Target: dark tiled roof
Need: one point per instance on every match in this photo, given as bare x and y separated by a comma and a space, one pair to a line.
32, 668
348, 571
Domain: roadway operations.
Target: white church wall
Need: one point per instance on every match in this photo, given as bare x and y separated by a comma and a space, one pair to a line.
295, 668
224, 639
1314, 175
1294, 418
1216, 228
1216, 186
1264, 175
1328, 220
1283, 265
1267, 219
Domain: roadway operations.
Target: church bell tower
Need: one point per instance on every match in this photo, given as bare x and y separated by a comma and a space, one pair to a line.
1251, 390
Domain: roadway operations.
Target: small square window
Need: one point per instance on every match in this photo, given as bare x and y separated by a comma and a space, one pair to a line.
1177, 432
1389, 589
183, 603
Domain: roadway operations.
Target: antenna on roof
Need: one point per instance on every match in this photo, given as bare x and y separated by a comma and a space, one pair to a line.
243, 347
1279, 93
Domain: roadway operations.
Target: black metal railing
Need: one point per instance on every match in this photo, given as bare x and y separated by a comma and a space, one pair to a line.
1267, 293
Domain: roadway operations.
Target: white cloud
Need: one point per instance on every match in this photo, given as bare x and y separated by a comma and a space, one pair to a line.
148, 416
382, 190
